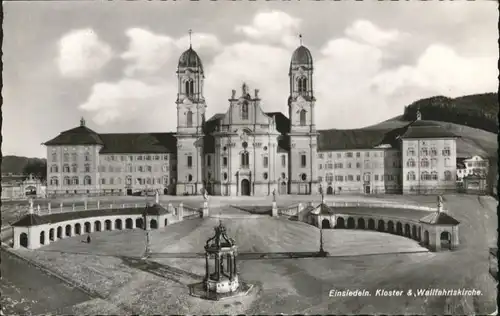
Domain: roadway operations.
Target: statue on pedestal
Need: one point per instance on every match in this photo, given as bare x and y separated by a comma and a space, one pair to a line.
440, 203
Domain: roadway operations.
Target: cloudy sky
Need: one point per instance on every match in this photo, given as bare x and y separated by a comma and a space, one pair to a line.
114, 63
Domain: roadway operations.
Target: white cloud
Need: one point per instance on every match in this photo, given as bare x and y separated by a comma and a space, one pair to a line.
81, 53
149, 52
352, 87
123, 99
440, 70
369, 33
272, 27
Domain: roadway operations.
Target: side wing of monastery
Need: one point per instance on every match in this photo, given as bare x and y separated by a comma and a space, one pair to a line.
247, 151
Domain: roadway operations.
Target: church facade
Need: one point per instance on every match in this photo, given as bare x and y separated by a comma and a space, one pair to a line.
246, 151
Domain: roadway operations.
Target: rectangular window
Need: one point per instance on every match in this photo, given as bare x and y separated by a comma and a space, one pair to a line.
358, 178
358, 154
209, 160
266, 162
224, 161
283, 160
348, 155
376, 177
303, 160
189, 161
320, 166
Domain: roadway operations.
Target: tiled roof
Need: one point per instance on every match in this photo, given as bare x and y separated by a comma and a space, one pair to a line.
190, 59
80, 135
155, 209
130, 143
426, 129
29, 220
301, 56
282, 122
335, 139
439, 218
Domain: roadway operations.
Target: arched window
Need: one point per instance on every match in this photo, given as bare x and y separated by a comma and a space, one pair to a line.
302, 117
424, 163
447, 175
424, 151
424, 176
434, 175
54, 181
245, 160
189, 87
66, 168
128, 180
411, 176
303, 177
165, 180
265, 175
283, 175
302, 85
410, 163
54, 168
189, 119
244, 111
67, 181
87, 180
87, 156
410, 152
190, 177
433, 151
224, 176
446, 151
74, 181
74, 168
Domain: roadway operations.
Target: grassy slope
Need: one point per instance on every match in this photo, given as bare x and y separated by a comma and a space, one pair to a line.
16, 164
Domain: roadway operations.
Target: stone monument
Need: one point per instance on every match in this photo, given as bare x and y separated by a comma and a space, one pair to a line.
205, 203
275, 207
440, 204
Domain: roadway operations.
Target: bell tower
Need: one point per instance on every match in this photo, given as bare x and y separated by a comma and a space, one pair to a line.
303, 136
191, 108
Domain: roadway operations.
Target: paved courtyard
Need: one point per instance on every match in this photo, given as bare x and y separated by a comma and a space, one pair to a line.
360, 260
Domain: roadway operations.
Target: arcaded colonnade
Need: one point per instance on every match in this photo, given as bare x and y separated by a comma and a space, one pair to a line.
436, 230
33, 231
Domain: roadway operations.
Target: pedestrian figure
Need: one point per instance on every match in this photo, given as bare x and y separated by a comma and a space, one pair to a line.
88, 239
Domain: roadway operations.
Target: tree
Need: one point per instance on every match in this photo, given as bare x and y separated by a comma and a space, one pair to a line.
37, 168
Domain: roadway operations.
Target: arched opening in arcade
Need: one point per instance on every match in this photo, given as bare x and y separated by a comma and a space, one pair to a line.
329, 191
118, 224
407, 230
340, 223
371, 224
445, 240
87, 227
153, 224
78, 229
426, 238
129, 223
166, 222
59, 232
165, 191
414, 232
107, 223
351, 223
51, 234
381, 226
139, 223
325, 223
399, 228
42, 238
361, 223
245, 187
97, 226
390, 227
68, 230
23, 240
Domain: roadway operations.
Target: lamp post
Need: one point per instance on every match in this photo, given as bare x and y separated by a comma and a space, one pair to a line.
322, 252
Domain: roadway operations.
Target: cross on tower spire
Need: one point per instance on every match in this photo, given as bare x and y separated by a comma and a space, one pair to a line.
190, 31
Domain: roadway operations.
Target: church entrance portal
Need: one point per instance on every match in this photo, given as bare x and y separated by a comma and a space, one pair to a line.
283, 189
329, 191
245, 187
